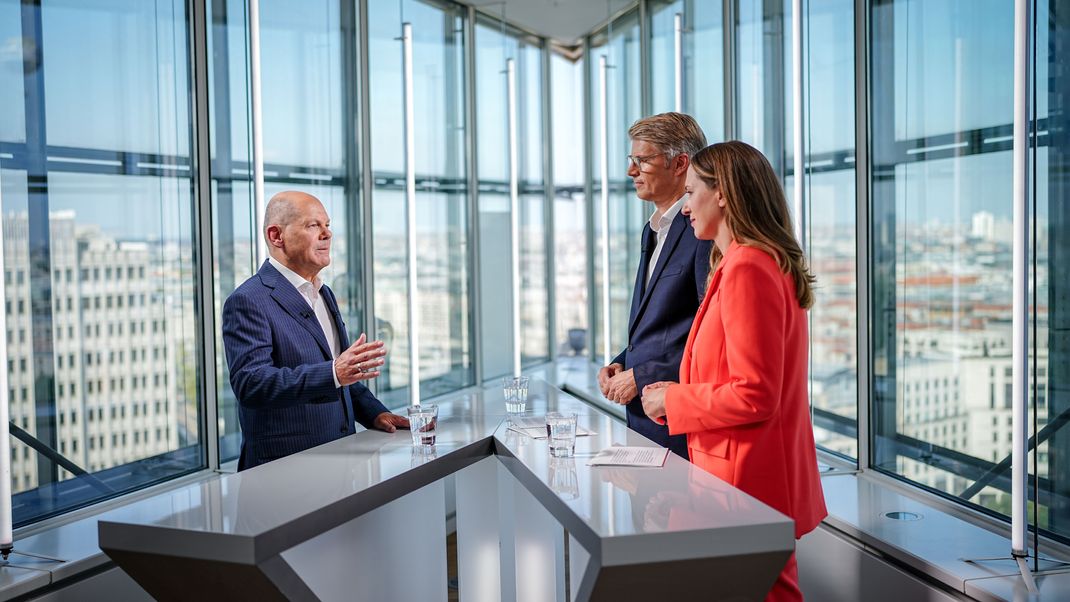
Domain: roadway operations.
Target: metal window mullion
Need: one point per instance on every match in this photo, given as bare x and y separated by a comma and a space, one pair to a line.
455, 210
678, 62
603, 170
774, 117
514, 209
476, 296
257, 129
548, 200
410, 215
202, 188
588, 191
39, 238
351, 179
6, 538
863, 173
646, 92
221, 171
730, 75
797, 123
367, 177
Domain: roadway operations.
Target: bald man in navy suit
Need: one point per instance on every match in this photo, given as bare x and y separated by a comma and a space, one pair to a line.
292, 367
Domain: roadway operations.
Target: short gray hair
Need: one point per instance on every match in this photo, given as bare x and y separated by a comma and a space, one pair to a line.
673, 133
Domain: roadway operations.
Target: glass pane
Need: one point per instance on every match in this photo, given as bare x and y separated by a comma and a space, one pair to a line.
704, 65
304, 86
1051, 279
534, 300
941, 240
493, 49
12, 106
627, 214
441, 211
663, 54
762, 91
570, 219
494, 46
829, 135
99, 104
703, 61
233, 220
101, 304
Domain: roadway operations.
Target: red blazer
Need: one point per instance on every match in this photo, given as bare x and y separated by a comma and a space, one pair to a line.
742, 397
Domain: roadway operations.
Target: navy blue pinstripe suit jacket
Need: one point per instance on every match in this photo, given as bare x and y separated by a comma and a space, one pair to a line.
281, 371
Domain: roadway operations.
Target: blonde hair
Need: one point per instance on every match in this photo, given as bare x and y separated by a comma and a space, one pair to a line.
674, 134
756, 211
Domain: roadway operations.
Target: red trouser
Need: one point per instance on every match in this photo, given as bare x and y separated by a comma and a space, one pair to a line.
786, 588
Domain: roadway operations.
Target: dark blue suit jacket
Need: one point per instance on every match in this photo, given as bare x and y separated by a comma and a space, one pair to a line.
282, 373
661, 319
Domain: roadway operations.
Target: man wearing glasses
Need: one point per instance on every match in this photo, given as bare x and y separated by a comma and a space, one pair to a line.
672, 271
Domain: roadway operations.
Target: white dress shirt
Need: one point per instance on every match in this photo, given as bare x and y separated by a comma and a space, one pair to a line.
311, 293
660, 224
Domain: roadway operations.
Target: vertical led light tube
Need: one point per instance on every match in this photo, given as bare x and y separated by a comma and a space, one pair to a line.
514, 209
678, 52
257, 130
410, 215
6, 539
797, 122
1019, 306
603, 145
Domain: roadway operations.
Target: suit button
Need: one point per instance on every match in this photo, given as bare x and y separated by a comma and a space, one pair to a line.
631, 347
344, 429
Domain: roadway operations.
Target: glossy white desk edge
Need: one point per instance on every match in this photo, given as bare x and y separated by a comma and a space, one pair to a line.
258, 513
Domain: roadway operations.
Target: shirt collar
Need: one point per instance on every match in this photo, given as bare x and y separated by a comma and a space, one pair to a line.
657, 222
297, 281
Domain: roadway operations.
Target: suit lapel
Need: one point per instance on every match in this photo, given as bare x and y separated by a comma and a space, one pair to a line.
291, 301
685, 363
679, 225
640, 279
336, 315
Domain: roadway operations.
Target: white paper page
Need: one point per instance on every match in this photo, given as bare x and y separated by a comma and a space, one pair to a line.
528, 422
630, 456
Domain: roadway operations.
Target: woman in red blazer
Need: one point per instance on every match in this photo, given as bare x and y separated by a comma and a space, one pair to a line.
742, 395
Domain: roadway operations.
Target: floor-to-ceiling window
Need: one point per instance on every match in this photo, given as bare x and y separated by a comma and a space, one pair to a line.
941, 237
446, 355
496, 45
700, 57
570, 217
98, 227
1050, 395
620, 45
308, 91
828, 124
234, 224
760, 94
664, 57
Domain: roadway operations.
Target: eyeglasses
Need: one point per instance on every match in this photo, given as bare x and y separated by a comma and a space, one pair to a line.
638, 161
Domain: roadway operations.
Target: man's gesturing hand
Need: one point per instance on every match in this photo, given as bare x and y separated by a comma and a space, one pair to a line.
360, 362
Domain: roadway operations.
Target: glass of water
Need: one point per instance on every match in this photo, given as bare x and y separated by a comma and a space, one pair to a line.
423, 420
516, 393
562, 433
